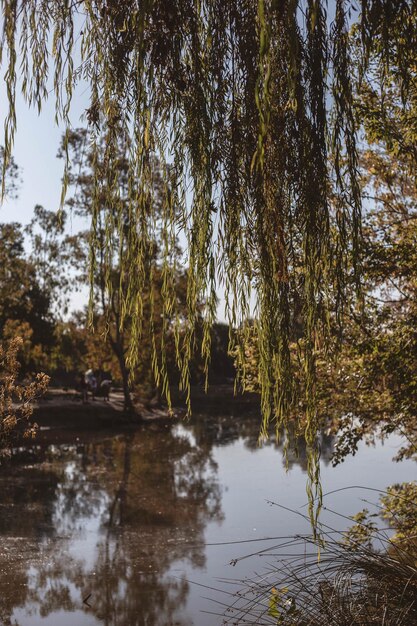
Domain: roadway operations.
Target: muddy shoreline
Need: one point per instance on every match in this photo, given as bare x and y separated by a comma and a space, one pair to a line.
62, 408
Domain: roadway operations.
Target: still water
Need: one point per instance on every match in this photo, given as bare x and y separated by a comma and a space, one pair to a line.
140, 528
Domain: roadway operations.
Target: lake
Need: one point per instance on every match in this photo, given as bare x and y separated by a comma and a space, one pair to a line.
140, 527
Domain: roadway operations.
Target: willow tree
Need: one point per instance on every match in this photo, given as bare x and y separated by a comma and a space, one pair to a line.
249, 105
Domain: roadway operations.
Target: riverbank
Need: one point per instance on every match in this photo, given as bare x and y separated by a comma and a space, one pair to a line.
62, 408
65, 408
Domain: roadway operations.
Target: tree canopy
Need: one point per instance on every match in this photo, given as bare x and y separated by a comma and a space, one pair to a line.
108, 279
249, 107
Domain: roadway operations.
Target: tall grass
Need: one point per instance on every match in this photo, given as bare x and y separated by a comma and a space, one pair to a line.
342, 582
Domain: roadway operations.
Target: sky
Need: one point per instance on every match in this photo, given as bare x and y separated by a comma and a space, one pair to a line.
36, 146
35, 152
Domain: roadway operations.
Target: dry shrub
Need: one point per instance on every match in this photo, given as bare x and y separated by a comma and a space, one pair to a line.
16, 399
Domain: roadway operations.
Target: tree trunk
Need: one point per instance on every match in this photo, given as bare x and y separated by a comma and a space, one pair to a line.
118, 349
117, 345
128, 404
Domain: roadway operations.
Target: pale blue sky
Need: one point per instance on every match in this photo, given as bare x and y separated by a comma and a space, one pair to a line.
36, 145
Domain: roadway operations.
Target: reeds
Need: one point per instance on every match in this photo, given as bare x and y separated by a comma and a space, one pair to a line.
338, 583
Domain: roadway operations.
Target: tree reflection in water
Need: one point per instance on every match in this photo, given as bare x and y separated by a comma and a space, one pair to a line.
114, 520
108, 519
224, 430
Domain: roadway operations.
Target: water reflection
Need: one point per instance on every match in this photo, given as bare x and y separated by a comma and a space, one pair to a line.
224, 430
100, 525
111, 528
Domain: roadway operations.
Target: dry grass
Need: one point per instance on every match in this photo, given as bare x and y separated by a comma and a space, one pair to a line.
345, 584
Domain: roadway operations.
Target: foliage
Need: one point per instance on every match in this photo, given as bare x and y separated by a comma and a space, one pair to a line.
52, 256
11, 175
22, 301
366, 376
110, 280
15, 399
382, 346
246, 359
384, 341
398, 505
362, 532
236, 93
399, 508
35, 280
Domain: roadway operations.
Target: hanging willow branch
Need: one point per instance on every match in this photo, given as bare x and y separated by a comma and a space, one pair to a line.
248, 103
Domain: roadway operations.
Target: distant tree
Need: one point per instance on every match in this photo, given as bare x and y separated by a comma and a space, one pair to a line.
36, 277
22, 312
51, 253
109, 206
11, 176
22, 300
378, 382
